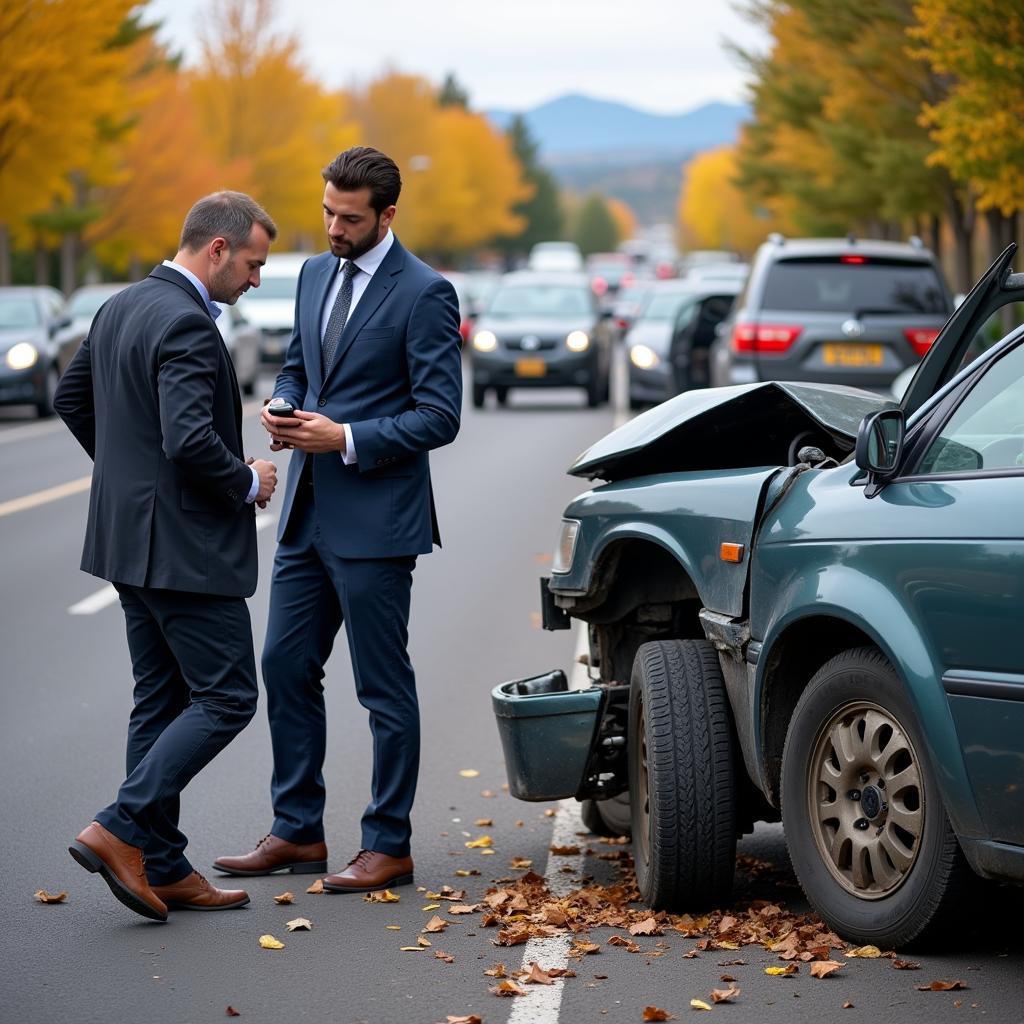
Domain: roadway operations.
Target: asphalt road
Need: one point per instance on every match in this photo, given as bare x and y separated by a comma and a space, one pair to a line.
65, 700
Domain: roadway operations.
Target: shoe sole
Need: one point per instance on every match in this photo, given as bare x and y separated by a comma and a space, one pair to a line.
400, 880
309, 867
95, 864
174, 905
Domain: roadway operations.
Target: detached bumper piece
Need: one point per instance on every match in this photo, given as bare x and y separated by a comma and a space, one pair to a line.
547, 731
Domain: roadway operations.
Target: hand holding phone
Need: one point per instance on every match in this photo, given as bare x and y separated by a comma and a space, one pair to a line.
280, 407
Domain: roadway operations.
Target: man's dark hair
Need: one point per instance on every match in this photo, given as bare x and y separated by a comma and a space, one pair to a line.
364, 167
227, 215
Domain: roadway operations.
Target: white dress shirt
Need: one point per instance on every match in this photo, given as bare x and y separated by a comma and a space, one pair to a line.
368, 265
214, 311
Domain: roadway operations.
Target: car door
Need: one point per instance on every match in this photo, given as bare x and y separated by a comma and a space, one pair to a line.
964, 579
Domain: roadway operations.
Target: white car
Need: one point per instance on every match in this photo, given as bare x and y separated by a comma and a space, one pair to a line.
560, 257
271, 307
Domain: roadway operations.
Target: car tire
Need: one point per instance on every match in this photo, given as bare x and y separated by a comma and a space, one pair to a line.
501, 394
875, 876
594, 391
479, 395
249, 388
682, 783
610, 818
44, 405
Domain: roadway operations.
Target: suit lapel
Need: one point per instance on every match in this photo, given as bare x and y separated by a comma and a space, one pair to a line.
376, 292
314, 315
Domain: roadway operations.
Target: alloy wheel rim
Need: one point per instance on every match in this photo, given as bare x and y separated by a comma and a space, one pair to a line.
866, 800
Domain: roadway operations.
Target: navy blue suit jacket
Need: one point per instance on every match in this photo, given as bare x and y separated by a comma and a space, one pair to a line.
396, 379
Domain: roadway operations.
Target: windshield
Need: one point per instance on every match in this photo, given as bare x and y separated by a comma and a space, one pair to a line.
87, 303
18, 311
876, 286
273, 287
664, 307
540, 300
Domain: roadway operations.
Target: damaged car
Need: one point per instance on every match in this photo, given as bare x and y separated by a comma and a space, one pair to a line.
802, 603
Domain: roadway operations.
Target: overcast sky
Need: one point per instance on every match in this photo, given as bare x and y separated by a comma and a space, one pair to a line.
660, 55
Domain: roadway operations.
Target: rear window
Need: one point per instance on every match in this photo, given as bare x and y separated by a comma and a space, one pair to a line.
834, 286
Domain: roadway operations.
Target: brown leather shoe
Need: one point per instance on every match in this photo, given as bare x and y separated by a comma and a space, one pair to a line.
273, 854
99, 850
194, 892
369, 871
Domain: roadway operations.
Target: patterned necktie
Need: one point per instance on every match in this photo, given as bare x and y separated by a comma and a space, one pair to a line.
339, 315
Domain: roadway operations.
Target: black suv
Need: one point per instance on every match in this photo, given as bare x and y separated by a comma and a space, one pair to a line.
831, 310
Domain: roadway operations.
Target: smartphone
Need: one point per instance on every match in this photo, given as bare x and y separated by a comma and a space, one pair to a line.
280, 407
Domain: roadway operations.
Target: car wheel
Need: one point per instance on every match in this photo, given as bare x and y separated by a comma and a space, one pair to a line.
44, 406
594, 391
866, 830
502, 395
479, 394
609, 817
682, 786
249, 387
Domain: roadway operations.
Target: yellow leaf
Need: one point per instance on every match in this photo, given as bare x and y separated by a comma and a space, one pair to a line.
699, 1004
48, 897
868, 952
727, 944
479, 844
387, 896
469, 773
300, 924
393, 927
463, 873
316, 888
484, 822
269, 942
285, 897
431, 906
412, 949
781, 972
486, 853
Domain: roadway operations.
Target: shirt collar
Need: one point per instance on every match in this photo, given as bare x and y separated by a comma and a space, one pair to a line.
373, 258
214, 309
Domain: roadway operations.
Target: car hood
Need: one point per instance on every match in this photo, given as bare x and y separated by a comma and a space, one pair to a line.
542, 326
731, 427
12, 335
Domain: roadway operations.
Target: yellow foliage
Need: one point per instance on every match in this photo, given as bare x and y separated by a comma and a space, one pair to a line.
625, 219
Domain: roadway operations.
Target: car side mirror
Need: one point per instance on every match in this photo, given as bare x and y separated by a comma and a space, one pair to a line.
59, 325
879, 447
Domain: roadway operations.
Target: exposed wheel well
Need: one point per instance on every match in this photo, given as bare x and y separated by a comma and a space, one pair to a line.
794, 658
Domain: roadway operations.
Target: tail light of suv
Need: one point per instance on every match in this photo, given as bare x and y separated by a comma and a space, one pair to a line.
764, 339
921, 338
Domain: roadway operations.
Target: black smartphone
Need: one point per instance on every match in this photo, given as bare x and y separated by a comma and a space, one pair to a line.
280, 407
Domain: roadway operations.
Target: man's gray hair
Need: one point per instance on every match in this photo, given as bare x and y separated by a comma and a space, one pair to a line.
227, 215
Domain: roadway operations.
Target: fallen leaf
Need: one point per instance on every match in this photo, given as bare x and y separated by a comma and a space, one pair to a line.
483, 822
486, 853
431, 906
285, 897
507, 988
412, 949
550, 812
469, 773
695, 1004
435, 924
393, 927
823, 968
942, 986
516, 863
648, 926
269, 942
470, 1018
724, 995
564, 851
423, 943
316, 888
480, 844
462, 908
464, 873
300, 924
656, 1013
782, 972
538, 976
486, 793
497, 971
385, 896
727, 978
847, 1005
231, 1012
440, 954
726, 944
48, 897
905, 965
867, 952
580, 948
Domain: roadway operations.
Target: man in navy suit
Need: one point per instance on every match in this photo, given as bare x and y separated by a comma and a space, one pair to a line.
373, 371
151, 396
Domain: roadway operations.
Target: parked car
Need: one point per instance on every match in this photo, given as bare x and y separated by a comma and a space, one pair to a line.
31, 317
82, 305
838, 311
271, 307
736, 271
803, 601
608, 272
541, 330
669, 341
629, 302
548, 257
243, 340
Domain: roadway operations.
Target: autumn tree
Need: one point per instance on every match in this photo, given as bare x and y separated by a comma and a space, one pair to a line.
624, 217
596, 230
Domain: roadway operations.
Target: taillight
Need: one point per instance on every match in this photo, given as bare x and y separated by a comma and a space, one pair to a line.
465, 326
921, 338
622, 324
599, 285
628, 280
765, 339
853, 259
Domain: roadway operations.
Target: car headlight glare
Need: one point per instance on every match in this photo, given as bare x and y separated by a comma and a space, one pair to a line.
577, 341
643, 358
566, 547
22, 356
485, 341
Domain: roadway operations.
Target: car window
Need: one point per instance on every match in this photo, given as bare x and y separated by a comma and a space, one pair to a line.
986, 432
18, 311
664, 307
540, 300
833, 286
274, 287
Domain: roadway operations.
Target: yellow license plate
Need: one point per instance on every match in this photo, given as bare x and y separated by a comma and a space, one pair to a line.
853, 355
531, 368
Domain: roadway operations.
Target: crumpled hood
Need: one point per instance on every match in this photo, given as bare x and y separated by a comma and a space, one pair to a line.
761, 424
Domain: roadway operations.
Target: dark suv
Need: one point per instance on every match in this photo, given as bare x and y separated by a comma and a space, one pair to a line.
834, 311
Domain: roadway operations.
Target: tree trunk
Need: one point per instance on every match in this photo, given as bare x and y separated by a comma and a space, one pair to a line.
935, 226
68, 260
42, 263
5, 255
1001, 231
961, 220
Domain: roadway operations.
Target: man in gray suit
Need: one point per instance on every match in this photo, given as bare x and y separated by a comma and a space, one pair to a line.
151, 396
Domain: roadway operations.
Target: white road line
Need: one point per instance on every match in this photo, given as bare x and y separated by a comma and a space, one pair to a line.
543, 1004
44, 497
94, 602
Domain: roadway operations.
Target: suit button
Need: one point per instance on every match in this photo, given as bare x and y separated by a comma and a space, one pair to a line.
322, 402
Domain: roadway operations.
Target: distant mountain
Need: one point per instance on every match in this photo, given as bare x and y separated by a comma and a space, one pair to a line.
579, 129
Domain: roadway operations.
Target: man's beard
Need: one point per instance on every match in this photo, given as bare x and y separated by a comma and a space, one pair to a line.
222, 286
353, 250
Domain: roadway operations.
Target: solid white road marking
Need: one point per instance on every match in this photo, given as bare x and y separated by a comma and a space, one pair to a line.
94, 602
44, 497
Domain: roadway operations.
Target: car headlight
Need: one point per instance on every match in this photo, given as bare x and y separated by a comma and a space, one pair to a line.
566, 546
643, 357
22, 356
485, 341
577, 341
